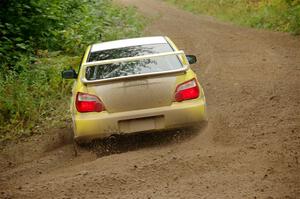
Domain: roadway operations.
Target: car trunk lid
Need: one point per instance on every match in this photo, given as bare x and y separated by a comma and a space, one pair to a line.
136, 93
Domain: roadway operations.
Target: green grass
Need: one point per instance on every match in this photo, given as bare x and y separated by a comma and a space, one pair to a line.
33, 96
35, 99
278, 15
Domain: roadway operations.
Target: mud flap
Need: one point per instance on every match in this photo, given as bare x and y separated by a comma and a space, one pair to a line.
76, 148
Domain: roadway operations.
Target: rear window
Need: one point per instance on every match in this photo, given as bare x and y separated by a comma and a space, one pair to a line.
156, 64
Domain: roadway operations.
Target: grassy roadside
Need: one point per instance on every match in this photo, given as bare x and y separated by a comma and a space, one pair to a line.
36, 99
278, 15
33, 96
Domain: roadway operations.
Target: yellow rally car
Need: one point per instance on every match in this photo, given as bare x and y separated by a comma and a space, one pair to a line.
134, 85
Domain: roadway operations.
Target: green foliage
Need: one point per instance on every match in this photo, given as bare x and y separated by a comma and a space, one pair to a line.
38, 39
67, 25
34, 97
279, 15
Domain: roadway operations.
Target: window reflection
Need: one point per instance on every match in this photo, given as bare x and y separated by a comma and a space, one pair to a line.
156, 64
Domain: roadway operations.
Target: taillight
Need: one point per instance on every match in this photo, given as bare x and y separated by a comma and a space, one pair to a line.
88, 103
187, 90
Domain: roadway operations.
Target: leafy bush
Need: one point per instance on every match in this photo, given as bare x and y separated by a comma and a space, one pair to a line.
38, 40
67, 25
34, 96
279, 15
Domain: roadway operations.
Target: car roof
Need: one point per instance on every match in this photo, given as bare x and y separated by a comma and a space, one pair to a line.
127, 43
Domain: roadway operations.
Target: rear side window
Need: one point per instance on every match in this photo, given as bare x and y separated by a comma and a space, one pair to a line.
156, 64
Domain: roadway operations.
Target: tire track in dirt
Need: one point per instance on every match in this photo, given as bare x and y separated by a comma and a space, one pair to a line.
249, 149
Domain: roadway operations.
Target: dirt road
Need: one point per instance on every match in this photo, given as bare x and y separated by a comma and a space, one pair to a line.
249, 149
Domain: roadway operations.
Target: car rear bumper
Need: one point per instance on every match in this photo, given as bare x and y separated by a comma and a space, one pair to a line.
98, 125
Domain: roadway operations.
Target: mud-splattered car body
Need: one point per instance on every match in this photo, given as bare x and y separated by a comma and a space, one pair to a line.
134, 85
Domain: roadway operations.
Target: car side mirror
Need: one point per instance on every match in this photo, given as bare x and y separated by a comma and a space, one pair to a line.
69, 74
191, 59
